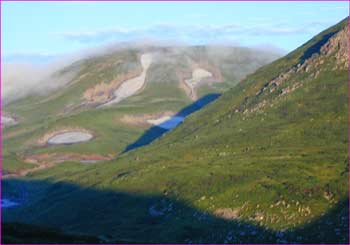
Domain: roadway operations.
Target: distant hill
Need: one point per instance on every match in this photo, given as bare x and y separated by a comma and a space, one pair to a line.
74, 97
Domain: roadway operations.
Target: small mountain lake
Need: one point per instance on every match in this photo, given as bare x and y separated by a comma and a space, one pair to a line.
72, 137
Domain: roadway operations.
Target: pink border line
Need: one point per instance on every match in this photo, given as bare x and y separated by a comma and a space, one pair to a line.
348, 82
174, 1
0, 121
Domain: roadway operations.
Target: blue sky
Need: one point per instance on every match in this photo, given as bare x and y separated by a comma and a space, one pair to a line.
44, 29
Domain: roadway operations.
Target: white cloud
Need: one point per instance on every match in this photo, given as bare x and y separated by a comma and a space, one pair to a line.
186, 33
23, 79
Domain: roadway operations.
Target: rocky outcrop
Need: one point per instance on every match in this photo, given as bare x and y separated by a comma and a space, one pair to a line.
227, 213
339, 45
336, 50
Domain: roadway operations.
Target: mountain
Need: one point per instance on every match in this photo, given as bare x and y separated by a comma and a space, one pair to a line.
264, 163
83, 95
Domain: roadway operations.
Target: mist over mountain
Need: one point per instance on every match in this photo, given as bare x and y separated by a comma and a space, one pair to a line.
21, 79
26, 79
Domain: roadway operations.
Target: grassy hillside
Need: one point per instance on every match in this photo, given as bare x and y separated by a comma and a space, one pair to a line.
67, 108
265, 163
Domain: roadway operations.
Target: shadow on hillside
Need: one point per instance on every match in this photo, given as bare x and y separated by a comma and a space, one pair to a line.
316, 47
118, 217
157, 131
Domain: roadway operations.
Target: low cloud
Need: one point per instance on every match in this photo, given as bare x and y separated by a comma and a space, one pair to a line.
30, 74
188, 33
36, 57
23, 79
